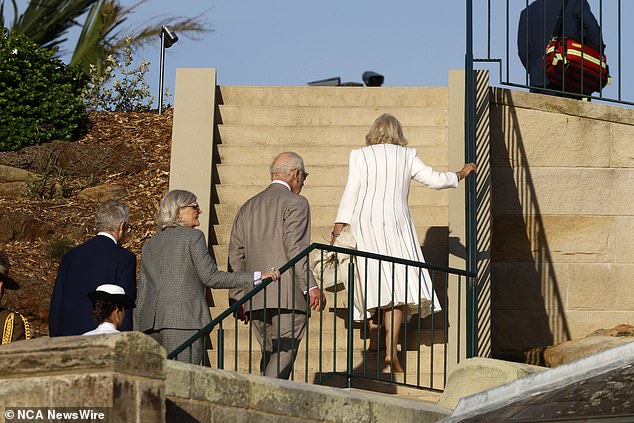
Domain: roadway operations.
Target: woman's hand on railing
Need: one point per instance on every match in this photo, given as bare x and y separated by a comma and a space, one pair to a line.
273, 274
466, 170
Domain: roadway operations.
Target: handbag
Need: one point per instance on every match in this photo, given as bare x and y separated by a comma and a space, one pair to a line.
335, 263
571, 65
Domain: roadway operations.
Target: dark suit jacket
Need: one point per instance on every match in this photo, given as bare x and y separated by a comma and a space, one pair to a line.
95, 262
269, 230
536, 26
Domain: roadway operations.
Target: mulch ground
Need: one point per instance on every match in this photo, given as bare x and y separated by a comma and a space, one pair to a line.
127, 149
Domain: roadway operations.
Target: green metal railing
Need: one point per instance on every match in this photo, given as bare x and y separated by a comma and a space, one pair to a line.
347, 358
608, 14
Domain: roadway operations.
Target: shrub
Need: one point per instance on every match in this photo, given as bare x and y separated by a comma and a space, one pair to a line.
39, 95
121, 87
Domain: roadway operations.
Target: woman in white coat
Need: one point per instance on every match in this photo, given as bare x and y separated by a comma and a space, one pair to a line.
375, 205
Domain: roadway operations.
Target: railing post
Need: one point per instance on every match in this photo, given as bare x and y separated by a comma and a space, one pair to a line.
470, 218
350, 349
221, 347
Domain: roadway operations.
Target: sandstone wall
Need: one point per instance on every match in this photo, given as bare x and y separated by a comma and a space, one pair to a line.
563, 216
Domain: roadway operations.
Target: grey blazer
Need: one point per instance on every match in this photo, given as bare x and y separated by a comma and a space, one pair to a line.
269, 230
175, 269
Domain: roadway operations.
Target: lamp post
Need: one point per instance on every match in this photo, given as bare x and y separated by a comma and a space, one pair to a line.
168, 39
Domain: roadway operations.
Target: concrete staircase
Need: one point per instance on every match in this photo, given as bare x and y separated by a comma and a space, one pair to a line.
323, 124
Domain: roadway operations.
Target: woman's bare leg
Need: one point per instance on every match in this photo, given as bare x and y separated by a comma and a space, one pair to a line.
392, 322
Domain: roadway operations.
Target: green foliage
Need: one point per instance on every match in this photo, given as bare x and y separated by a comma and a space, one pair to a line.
39, 95
122, 88
56, 249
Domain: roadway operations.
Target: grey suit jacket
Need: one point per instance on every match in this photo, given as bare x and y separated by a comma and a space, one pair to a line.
269, 230
175, 269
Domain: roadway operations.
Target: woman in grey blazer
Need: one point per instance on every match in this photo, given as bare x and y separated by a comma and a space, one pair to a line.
176, 267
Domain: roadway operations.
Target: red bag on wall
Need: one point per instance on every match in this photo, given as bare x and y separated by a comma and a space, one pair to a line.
568, 63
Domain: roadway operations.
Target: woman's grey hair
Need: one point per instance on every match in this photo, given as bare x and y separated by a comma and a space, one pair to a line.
167, 216
386, 129
290, 162
110, 214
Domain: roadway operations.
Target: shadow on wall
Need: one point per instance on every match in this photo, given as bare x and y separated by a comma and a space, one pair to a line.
526, 303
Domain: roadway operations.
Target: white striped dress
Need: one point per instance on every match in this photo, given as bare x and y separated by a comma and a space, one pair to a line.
375, 204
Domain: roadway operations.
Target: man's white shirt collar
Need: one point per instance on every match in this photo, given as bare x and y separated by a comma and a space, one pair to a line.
277, 181
106, 234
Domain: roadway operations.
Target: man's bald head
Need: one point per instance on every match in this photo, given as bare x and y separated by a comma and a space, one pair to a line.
289, 167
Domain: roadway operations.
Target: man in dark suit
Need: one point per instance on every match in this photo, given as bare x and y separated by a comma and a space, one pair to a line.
536, 26
99, 260
274, 227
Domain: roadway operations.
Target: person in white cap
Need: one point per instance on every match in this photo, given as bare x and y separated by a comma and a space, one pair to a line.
109, 304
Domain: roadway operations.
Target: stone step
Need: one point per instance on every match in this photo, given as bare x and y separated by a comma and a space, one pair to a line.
335, 96
313, 155
291, 137
331, 339
325, 195
431, 217
364, 363
327, 175
328, 116
324, 216
437, 255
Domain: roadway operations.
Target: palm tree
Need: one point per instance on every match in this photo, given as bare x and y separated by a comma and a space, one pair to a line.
47, 23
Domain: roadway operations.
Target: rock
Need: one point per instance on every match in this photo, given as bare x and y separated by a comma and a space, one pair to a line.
579, 348
17, 226
479, 374
13, 174
618, 330
101, 193
12, 189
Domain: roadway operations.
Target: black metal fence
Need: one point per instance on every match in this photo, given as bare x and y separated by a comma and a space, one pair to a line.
339, 348
496, 32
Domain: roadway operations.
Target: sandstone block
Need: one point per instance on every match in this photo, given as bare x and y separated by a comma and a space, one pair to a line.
579, 348
480, 374
101, 193
539, 138
622, 148
14, 174
310, 401
583, 322
151, 395
221, 387
129, 352
623, 232
178, 379
125, 400
568, 238
96, 390
601, 287
29, 392
529, 286
569, 191
12, 189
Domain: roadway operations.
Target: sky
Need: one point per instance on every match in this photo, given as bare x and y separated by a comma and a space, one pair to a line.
410, 42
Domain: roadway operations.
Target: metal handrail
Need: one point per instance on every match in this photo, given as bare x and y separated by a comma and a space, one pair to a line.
206, 330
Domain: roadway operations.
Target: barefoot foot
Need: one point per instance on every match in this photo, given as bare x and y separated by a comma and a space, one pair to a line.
395, 364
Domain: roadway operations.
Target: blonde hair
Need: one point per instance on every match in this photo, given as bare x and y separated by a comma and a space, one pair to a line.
167, 216
386, 129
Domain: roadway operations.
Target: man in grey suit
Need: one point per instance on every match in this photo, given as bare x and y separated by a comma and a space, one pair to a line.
274, 227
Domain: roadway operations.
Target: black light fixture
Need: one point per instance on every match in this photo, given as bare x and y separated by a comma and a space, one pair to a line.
168, 39
372, 79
